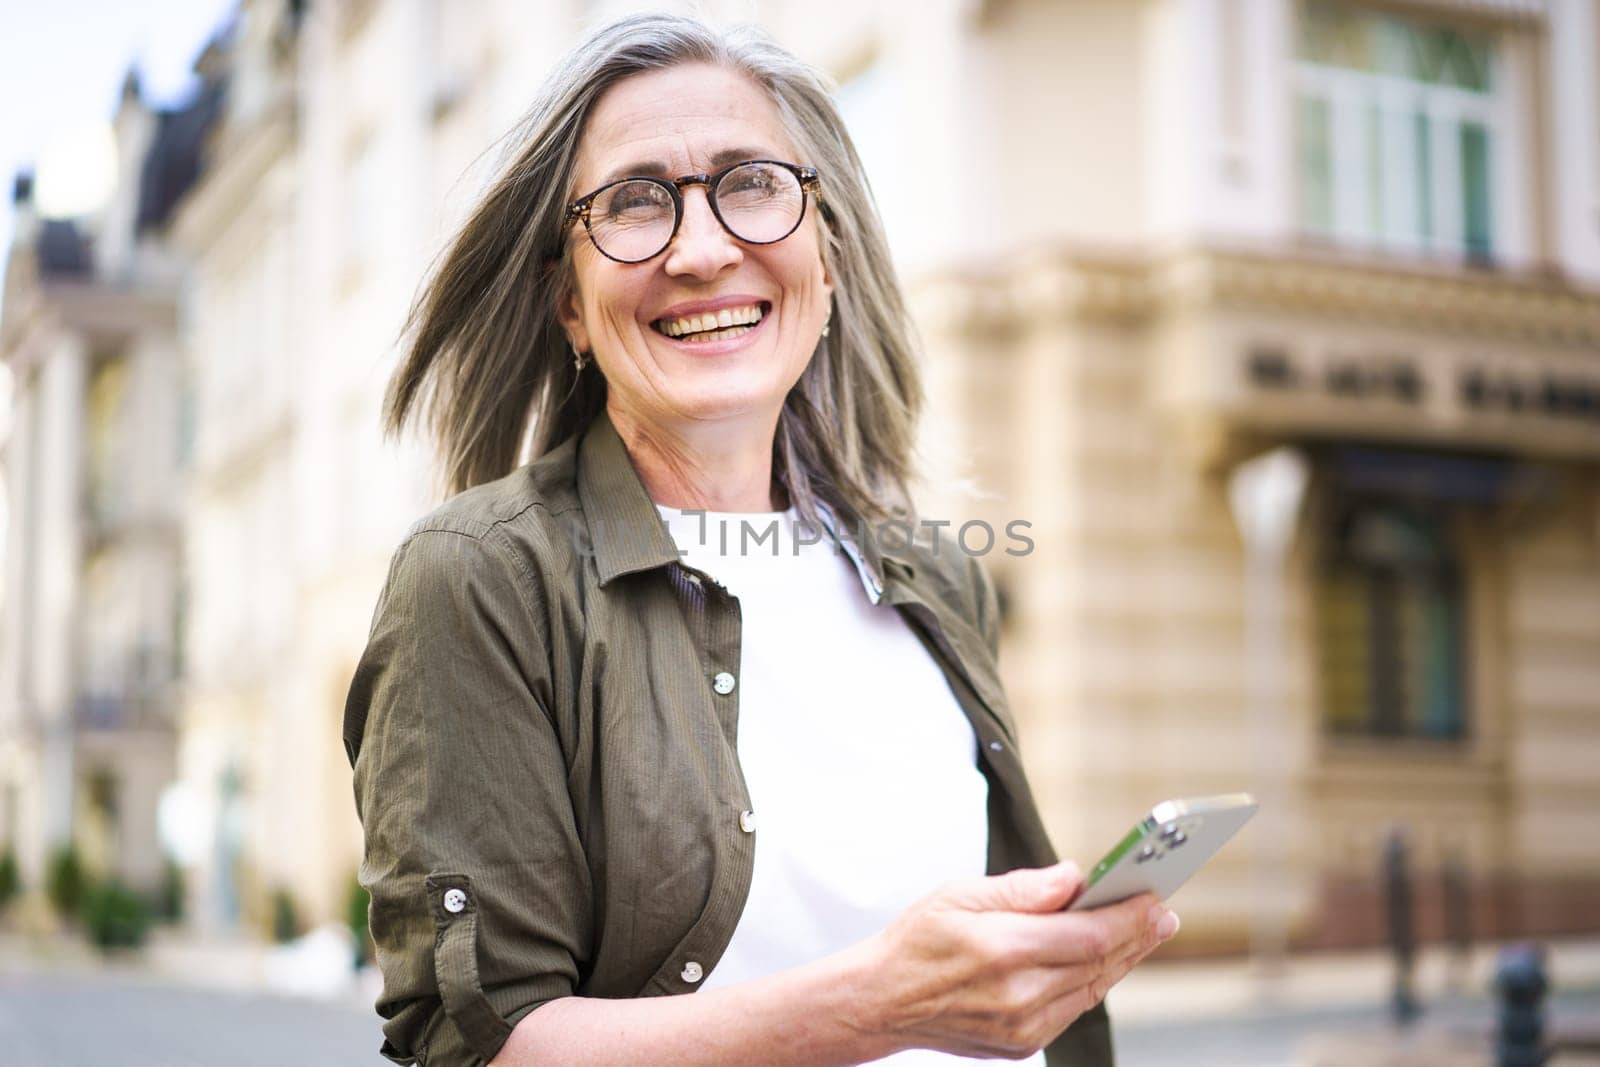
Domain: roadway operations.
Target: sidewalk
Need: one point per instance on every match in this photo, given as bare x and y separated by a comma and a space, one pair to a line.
314, 967
1157, 993
1199, 989
1332, 1010
1312, 1011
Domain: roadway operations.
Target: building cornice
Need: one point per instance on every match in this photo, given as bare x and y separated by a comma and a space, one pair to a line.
1248, 345
110, 312
1536, 308
1483, 10
1046, 289
101, 314
231, 177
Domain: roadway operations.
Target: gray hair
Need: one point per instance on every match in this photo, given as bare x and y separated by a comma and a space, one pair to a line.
487, 355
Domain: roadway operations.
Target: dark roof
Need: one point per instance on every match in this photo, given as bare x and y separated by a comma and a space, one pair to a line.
174, 160
62, 249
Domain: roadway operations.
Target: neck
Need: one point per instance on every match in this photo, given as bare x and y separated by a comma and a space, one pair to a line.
723, 465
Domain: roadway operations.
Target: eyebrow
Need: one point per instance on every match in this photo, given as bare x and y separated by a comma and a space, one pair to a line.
653, 169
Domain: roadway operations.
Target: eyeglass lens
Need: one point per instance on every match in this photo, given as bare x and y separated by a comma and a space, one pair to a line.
759, 203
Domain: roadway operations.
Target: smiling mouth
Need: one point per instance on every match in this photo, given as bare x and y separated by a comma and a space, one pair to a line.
713, 325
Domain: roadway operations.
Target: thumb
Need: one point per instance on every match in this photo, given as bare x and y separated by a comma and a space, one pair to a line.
1035, 889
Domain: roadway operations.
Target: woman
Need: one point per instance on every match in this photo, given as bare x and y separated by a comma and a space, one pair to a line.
564, 731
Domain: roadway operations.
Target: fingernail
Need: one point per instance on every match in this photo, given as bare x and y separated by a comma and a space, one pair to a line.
1156, 914
1167, 926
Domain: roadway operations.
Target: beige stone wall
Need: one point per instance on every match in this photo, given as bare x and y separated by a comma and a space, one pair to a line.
1067, 87
1552, 691
1101, 408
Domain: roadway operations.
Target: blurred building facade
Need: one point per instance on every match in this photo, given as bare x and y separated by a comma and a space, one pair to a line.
92, 631
1367, 232
1147, 240
345, 154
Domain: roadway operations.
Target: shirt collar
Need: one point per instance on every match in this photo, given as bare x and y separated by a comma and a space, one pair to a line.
625, 529
627, 532
865, 556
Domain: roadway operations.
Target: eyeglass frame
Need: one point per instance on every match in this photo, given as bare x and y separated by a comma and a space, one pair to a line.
810, 182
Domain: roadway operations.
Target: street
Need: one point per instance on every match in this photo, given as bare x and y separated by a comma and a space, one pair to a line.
85, 1020
1279, 1038
91, 1020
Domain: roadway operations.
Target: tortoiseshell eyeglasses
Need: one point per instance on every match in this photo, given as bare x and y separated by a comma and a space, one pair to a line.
758, 201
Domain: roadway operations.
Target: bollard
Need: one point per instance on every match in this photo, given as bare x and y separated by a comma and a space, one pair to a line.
1455, 885
1520, 981
1402, 938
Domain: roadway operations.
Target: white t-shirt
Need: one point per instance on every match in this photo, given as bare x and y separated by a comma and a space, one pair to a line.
861, 766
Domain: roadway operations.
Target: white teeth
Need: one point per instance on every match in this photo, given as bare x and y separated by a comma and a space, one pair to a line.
709, 321
719, 335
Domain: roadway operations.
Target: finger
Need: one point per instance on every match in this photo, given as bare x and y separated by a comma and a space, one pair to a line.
1085, 985
1163, 932
1099, 973
1079, 987
1097, 935
1132, 921
1063, 1011
1028, 889
1117, 965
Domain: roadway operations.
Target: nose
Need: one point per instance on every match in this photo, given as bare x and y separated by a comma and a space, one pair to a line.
702, 247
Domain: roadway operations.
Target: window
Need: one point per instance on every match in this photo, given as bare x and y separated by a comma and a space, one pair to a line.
1389, 619
1395, 130
106, 416
187, 416
364, 196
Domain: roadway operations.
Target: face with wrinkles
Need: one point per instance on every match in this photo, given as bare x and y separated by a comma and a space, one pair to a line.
667, 365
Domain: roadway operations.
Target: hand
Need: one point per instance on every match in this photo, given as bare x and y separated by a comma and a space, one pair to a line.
993, 967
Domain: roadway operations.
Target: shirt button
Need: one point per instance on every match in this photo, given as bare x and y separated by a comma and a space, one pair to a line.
455, 901
723, 683
995, 746
747, 821
692, 972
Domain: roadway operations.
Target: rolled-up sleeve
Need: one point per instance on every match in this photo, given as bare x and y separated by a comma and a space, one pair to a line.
480, 890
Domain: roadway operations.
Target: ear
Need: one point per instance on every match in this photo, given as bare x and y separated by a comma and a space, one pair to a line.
569, 313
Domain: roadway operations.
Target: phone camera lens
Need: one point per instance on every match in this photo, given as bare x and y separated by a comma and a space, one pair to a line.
1177, 839
1146, 853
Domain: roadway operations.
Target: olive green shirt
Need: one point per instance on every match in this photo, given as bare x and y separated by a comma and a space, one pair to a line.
545, 752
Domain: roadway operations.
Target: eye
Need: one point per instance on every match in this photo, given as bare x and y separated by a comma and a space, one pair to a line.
632, 201
754, 179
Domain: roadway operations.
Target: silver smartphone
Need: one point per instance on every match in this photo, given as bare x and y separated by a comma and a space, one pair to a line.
1165, 848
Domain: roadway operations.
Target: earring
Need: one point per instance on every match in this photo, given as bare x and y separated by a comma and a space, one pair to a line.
578, 358
827, 323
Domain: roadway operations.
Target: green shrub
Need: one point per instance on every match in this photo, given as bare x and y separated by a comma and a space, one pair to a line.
356, 911
65, 882
10, 879
115, 916
285, 917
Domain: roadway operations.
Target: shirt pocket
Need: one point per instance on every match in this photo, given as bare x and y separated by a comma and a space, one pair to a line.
455, 964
